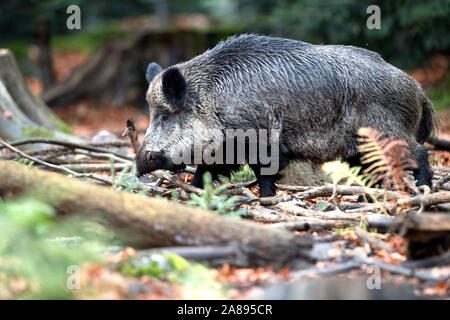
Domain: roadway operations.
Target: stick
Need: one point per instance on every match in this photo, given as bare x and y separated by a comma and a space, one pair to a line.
421, 275
292, 207
131, 133
162, 174
331, 271
343, 190
52, 166
440, 182
197, 253
442, 260
373, 241
312, 224
95, 167
70, 145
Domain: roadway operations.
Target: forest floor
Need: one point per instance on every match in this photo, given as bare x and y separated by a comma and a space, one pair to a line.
88, 120
247, 283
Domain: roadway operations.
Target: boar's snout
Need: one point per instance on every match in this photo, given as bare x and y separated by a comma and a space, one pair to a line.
148, 161
153, 155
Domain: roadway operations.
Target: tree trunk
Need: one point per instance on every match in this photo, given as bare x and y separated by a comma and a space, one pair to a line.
31, 106
22, 114
149, 222
44, 59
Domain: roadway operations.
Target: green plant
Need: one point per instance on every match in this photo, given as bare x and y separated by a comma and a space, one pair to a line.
126, 182
341, 171
197, 281
26, 226
243, 175
24, 161
211, 199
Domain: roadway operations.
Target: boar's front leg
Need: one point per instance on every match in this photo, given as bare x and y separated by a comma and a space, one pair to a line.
266, 182
197, 181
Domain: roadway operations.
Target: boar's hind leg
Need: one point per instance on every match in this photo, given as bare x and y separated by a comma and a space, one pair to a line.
423, 174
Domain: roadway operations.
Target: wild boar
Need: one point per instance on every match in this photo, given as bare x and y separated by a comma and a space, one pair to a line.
311, 98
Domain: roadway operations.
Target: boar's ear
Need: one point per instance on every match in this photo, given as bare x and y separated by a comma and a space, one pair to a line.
174, 87
152, 71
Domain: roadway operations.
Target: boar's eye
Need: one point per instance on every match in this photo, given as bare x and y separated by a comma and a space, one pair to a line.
164, 117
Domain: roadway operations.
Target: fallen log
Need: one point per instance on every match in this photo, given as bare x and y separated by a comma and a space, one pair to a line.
148, 222
439, 144
428, 233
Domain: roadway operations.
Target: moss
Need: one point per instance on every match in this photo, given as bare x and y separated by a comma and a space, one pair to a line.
62, 126
37, 132
18, 47
303, 174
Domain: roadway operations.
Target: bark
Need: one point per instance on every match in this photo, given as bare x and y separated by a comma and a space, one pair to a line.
44, 58
15, 125
147, 222
31, 106
23, 115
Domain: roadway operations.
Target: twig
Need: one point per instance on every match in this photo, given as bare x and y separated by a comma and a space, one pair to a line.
373, 241
241, 190
409, 272
247, 184
197, 253
312, 224
328, 190
442, 260
440, 182
70, 145
331, 271
268, 201
56, 167
131, 133
406, 202
95, 167
292, 207
104, 179
105, 156
356, 263
174, 180
292, 188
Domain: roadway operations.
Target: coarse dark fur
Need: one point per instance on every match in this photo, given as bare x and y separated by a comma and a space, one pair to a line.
316, 95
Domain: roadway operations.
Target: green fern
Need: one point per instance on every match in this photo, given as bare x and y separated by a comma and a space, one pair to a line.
126, 182
341, 171
212, 199
244, 175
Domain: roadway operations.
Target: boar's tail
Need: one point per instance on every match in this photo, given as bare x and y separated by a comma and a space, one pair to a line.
427, 122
